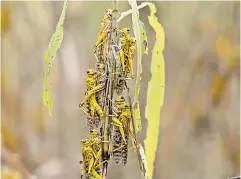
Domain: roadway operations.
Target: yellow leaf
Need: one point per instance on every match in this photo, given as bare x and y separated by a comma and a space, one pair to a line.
155, 93
53, 47
144, 42
137, 118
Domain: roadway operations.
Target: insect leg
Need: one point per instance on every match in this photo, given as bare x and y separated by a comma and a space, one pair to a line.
98, 109
91, 164
98, 156
91, 92
130, 67
122, 59
120, 127
96, 175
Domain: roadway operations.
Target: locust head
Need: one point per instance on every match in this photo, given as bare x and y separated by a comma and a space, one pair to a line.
109, 13
100, 66
90, 72
119, 100
93, 133
132, 41
85, 142
125, 31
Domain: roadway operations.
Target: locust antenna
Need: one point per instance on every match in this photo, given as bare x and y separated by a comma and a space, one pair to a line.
129, 24
106, 7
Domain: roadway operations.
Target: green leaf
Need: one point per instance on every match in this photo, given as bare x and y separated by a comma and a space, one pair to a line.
141, 39
137, 118
144, 42
155, 93
50, 55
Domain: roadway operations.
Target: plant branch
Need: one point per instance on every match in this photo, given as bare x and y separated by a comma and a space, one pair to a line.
112, 75
126, 13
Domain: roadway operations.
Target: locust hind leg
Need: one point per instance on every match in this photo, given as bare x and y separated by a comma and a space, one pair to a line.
95, 174
122, 59
98, 109
100, 39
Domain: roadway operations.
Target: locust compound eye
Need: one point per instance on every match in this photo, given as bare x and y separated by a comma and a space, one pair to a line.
90, 72
100, 66
128, 30
122, 98
93, 132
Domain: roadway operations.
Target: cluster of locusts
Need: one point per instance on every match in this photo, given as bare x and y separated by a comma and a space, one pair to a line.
108, 113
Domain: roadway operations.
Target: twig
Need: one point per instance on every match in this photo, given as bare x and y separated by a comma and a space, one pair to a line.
124, 14
111, 60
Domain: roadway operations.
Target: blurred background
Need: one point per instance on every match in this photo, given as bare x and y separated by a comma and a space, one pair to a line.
199, 130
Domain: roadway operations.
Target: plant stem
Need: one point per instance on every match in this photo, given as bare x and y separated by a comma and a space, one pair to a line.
111, 82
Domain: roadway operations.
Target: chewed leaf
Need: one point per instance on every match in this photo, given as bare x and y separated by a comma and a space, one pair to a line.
155, 93
137, 118
50, 55
144, 42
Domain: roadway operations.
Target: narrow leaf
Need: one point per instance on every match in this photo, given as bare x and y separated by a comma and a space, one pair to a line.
137, 33
155, 93
144, 42
50, 55
141, 41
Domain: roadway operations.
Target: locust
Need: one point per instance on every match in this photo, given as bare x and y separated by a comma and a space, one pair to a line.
90, 99
118, 132
124, 52
104, 27
131, 54
101, 81
89, 161
124, 40
122, 130
95, 140
101, 46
